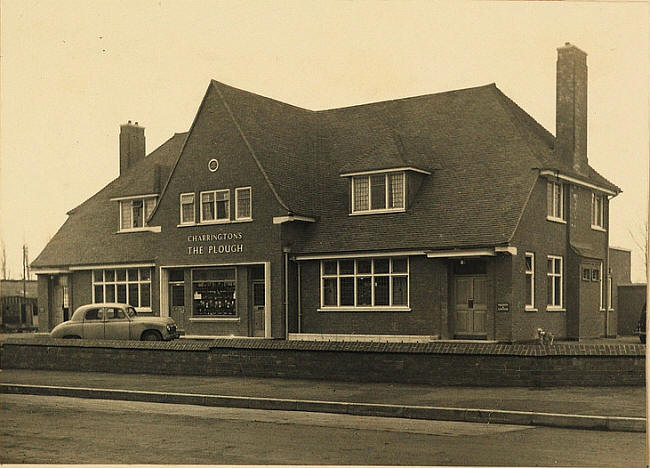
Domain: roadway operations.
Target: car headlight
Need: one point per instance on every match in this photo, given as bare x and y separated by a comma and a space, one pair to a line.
169, 328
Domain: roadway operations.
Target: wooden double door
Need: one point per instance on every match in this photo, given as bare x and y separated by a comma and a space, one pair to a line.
471, 306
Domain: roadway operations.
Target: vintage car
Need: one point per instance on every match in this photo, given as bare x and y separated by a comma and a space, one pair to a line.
114, 321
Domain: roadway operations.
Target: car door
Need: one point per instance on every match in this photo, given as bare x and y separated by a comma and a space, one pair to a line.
93, 326
116, 324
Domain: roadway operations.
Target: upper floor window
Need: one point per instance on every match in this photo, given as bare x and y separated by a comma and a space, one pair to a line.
243, 203
134, 212
378, 192
597, 211
555, 201
187, 208
215, 206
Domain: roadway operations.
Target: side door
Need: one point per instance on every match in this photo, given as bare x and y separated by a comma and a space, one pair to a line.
93, 327
117, 325
258, 308
471, 305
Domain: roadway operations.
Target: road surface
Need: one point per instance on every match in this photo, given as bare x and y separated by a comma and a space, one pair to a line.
37, 429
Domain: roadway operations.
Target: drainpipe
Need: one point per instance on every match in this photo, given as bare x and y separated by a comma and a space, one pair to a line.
286, 250
299, 306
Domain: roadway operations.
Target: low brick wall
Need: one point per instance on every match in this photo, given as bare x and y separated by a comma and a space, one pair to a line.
467, 364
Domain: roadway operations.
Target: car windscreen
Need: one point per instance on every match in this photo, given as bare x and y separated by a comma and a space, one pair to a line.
130, 311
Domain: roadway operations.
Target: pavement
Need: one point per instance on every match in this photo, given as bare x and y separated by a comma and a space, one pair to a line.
600, 408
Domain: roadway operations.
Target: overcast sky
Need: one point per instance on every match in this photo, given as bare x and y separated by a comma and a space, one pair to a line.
73, 71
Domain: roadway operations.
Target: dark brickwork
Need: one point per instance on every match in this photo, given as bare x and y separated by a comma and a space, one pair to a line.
631, 298
433, 363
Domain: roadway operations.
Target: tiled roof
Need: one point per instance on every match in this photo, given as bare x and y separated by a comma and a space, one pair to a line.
483, 153
87, 236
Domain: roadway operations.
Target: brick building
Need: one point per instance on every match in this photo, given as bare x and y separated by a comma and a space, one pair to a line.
445, 216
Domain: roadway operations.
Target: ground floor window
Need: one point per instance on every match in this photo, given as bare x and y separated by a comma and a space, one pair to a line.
530, 280
554, 281
214, 292
377, 282
126, 285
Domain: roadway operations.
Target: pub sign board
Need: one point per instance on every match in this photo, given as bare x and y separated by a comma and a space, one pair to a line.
503, 307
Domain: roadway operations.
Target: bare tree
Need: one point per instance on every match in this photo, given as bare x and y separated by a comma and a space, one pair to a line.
3, 261
640, 239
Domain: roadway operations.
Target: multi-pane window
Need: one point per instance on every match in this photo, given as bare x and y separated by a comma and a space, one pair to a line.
243, 203
601, 285
134, 213
125, 285
378, 282
214, 292
530, 280
215, 206
555, 200
597, 211
554, 281
378, 192
187, 208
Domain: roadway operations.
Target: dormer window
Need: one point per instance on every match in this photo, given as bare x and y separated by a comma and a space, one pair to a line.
135, 211
380, 192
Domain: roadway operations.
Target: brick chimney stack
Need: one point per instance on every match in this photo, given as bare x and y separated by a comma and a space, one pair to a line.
132, 145
571, 107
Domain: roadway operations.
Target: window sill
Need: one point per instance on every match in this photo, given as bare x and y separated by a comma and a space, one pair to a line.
364, 309
530, 309
212, 223
142, 229
556, 220
372, 212
598, 228
214, 319
555, 309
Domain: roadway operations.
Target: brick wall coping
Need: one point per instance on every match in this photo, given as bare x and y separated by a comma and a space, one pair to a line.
487, 349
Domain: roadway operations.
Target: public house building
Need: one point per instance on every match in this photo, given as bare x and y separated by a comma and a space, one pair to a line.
452, 215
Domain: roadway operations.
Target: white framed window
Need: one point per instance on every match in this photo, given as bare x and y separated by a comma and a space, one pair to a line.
597, 211
243, 203
555, 201
382, 192
126, 285
530, 280
187, 210
601, 285
609, 292
215, 206
134, 212
365, 283
554, 282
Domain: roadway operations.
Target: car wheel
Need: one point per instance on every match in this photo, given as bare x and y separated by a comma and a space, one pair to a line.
151, 335
71, 337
